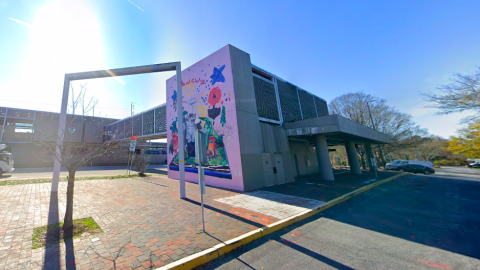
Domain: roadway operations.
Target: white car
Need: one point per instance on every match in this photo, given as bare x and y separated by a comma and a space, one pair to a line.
6, 160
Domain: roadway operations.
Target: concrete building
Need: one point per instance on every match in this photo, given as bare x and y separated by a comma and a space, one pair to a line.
261, 129
25, 133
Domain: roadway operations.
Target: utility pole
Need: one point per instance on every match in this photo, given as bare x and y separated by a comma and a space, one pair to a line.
132, 107
373, 126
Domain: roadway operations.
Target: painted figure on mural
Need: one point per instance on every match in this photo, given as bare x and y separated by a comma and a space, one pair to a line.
190, 128
203, 117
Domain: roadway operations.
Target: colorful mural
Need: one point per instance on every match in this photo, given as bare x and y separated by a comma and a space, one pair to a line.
208, 105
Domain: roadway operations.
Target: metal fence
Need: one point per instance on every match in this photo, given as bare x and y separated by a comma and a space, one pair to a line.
147, 124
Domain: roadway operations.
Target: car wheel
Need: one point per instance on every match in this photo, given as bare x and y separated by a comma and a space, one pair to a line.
426, 172
1, 171
402, 170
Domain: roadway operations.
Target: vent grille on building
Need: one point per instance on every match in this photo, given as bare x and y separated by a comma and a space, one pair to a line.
308, 106
289, 101
148, 122
266, 99
128, 127
137, 125
322, 107
161, 119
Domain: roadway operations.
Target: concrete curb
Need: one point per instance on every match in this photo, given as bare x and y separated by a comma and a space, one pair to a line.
216, 251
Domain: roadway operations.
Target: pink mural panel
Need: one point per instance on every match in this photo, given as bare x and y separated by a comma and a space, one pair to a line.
208, 105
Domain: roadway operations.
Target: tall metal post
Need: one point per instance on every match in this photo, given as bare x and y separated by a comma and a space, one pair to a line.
61, 133
181, 135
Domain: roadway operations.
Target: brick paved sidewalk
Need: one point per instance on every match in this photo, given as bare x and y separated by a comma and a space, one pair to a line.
145, 224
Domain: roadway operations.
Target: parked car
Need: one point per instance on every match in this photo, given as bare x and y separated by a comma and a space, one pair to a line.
474, 165
415, 168
397, 163
6, 160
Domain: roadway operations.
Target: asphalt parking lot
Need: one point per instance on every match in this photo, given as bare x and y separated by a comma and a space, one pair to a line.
416, 222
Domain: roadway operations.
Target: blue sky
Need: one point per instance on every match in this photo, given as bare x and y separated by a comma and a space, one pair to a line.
391, 49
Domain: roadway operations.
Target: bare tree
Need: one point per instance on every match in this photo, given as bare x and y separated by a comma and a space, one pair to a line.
75, 156
432, 148
76, 152
461, 94
401, 128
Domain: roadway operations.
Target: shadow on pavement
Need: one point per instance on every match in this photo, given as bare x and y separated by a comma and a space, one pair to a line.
436, 212
258, 225
312, 187
433, 211
313, 254
276, 237
52, 253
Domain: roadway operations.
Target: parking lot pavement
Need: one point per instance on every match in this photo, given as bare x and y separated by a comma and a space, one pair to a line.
414, 222
458, 170
31, 173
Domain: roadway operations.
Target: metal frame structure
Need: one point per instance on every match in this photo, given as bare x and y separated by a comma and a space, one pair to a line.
154, 134
175, 66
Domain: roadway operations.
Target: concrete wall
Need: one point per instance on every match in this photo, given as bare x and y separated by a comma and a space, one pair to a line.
249, 131
304, 152
31, 155
275, 141
334, 124
210, 91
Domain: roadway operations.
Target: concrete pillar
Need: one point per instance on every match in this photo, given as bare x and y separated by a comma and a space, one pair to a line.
369, 154
352, 158
323, 157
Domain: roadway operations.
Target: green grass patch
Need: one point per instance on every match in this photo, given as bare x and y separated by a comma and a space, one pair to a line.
64, 179
53, 234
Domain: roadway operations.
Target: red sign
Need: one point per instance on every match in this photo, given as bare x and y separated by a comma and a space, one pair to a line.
133, 138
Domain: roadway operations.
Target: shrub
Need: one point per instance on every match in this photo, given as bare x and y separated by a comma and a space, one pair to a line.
449, 162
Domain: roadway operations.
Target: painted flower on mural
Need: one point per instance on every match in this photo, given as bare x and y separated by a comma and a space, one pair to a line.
228, 140
228, 129
218, 129
175, 142
214, 96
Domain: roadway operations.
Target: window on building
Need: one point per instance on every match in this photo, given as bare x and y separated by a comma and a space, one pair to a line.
23, 127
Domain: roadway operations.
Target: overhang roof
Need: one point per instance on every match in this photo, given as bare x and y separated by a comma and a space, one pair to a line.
335, 126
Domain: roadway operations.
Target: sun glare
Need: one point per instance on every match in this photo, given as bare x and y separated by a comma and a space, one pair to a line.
66, 38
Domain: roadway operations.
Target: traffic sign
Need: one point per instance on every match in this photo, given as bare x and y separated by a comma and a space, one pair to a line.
133, 143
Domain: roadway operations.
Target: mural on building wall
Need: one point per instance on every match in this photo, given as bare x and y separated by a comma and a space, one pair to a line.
209, 106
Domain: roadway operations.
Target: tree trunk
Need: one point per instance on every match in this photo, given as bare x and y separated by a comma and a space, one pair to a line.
68, 220
362, 160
